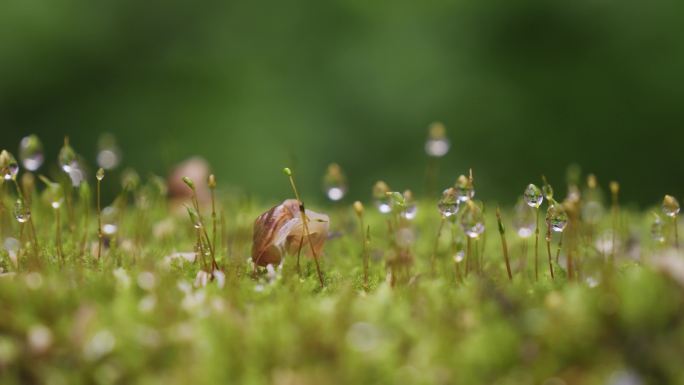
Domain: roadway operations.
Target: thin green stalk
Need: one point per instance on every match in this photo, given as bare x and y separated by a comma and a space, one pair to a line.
27, 206
200, 249
548, 247
100, 235
504, 245
86, 223
305, 222
614, 187
366, 261
202, 229
212, 188
536, 247
299, 254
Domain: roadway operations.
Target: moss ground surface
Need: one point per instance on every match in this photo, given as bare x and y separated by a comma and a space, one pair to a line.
140, 316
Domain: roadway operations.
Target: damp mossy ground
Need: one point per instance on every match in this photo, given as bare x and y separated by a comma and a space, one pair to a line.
140, 316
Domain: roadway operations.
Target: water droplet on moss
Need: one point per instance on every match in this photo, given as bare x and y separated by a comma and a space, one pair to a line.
657, 230
108, 154
670, 206
110, 216
524, 219
472, 220
67, 158
335, 183
464, 189
557, 217
9, 168
21, 211
381, 200
31, 152
437, 144
448, 205
533, 196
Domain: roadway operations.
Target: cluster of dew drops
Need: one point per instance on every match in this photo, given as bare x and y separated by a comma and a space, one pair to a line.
32, 157
457, 203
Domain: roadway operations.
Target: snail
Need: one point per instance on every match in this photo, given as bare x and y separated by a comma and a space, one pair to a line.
280, 231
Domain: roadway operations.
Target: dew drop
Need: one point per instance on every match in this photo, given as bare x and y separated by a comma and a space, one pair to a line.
75, 174
464, 189
107, 159
335, 193
67, 158
557, 217
410, 208
604, 243
21, 211
410, 212
194, 218
100, 174
592, 281
9, 168
335, 183
380, 198
383, 206
437, 147
108, 153
437, 144
31, 152
670, 206
524, 219
54, 195
449, 204
110, 216
472, 220
657, 230
533, 196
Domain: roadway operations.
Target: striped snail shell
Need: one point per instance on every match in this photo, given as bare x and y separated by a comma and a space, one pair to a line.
280, 231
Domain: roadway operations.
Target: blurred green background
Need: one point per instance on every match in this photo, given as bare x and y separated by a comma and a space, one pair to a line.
524, 88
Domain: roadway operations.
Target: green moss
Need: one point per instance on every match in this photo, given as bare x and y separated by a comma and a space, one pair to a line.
109, 322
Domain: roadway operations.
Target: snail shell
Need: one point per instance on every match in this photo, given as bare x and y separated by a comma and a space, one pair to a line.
280, 230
